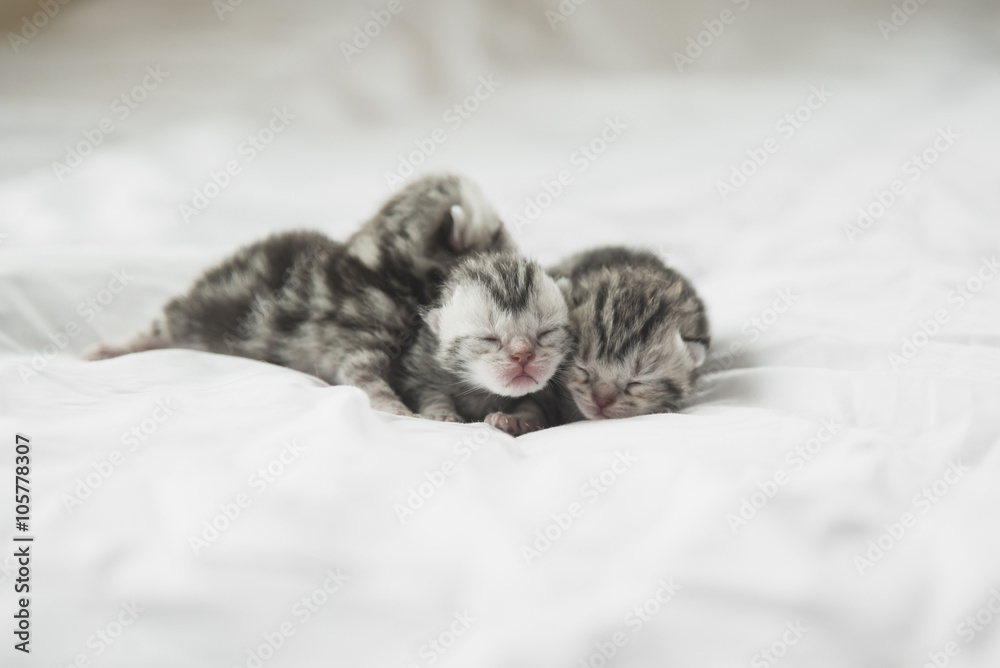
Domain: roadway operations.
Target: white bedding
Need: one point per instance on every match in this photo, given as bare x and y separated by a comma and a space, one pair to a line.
750, 522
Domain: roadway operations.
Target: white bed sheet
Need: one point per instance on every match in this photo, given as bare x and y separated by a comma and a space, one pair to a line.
800, 578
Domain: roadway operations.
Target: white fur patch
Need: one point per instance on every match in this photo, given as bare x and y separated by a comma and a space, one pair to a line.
365, 248
550, 307
471, 312
466, 313
565, 287
477, 221
460, 220
378, 303
697, 352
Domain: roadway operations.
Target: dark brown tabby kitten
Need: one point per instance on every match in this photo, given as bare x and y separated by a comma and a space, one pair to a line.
642, 334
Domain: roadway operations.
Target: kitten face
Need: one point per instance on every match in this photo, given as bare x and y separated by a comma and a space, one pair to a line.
654, 378
502, 325
631, 357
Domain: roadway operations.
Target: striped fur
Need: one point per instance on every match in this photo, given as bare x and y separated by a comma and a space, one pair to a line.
342, 311
494, 308
641, 334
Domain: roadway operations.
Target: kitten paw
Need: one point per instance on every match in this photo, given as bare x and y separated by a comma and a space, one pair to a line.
511, 424
393, 407
441, 415
103, 351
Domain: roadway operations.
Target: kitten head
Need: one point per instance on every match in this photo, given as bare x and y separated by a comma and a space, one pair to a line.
501, 324
641, 340
429, 225
472, 224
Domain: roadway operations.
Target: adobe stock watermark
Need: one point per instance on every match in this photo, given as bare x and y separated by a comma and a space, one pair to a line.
454, 118
635, 619
698, 43
436, 647
364, 35
591, 491
230, 511
786, 127
913, 169
899, 17
562, 12
104, 637
247, 150
223, 7
963, 293
134, 438
31, 25
121, 108
753, 328
584, 156
302, 611
773, 653
796, 458
923, 501
88, 309
966, 630
418, 495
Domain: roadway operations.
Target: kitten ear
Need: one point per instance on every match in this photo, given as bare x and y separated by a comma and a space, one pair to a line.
433, 320
566, 287
698, 352
459, 221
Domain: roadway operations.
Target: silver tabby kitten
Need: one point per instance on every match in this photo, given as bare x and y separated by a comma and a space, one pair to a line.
497, 333
341, 311
642, 334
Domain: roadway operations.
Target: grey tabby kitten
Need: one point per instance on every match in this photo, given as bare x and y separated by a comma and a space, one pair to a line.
642, 334
497, 333
341, 311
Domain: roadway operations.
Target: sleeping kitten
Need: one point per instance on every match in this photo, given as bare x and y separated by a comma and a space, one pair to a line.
642, 334
340, 311
497, 333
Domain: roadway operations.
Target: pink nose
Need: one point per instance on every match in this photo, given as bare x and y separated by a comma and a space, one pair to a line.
522, 357
602, 401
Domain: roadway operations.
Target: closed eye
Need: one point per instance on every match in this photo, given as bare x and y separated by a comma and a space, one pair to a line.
489, 339
634, 385
546, 333
670, 388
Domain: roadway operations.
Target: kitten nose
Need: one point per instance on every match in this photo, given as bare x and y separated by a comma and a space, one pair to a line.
602, 401
604, 395
522, 356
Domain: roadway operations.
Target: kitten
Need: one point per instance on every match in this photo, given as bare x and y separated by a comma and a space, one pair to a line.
497, 333
642, 334
341, 311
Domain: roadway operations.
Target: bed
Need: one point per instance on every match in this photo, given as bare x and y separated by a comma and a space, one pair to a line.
824, 174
